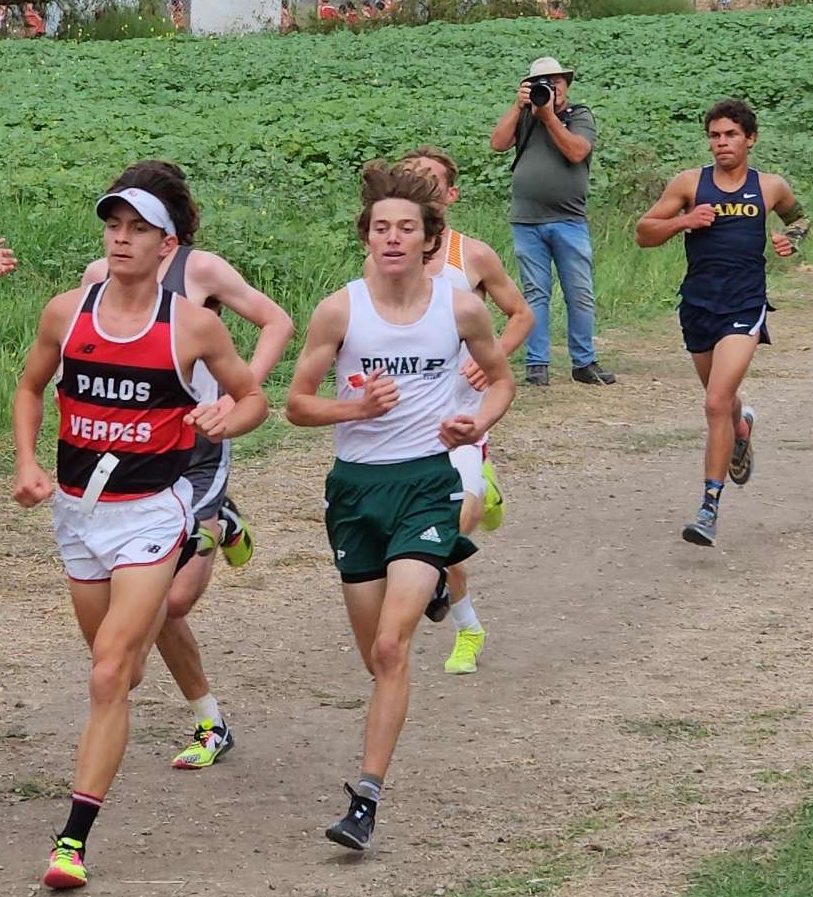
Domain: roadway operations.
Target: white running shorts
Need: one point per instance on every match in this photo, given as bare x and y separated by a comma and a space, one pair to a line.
121, 533
468, 461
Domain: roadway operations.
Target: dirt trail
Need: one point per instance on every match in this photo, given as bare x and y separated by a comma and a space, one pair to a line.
641, 703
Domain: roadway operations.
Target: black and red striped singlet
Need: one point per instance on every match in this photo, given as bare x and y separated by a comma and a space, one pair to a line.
126, 396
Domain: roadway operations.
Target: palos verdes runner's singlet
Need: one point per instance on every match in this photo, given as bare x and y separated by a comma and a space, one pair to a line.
467, 398
726, 261
422, 357
124, 395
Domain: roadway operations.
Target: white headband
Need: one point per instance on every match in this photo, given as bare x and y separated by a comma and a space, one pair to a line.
149, 207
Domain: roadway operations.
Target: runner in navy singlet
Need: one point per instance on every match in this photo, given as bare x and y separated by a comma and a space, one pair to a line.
722, 209
123, 353
208, 280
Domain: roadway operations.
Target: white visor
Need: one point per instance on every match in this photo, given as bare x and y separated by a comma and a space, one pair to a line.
149, 207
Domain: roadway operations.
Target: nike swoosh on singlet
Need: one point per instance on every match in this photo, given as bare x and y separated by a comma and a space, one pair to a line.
749, 196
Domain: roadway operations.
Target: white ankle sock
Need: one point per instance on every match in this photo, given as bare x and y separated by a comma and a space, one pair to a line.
206, 708
464, 615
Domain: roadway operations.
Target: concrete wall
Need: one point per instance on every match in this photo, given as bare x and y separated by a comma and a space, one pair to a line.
233, 16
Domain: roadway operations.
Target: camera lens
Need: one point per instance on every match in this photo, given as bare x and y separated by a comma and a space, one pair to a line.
540, 93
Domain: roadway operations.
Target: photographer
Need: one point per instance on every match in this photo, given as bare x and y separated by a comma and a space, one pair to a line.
553, 141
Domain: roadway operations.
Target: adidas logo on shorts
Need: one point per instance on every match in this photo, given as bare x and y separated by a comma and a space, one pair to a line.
430, 535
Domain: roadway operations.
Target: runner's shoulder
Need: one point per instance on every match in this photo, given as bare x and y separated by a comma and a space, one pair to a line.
481, 260
60, 310
95, 272
332, 315
688, 179
773, 186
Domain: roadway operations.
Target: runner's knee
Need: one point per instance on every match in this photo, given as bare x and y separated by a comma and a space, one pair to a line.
719, 404
456, 578
389, 656
182, 597
110, 678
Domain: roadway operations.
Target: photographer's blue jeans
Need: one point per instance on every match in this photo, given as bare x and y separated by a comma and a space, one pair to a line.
565, 244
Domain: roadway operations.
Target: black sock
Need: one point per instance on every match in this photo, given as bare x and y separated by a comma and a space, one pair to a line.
84, 809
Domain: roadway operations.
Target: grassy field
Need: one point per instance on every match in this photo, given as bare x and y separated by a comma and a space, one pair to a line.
273, 132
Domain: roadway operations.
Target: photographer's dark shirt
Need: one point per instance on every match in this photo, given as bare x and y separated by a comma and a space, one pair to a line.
545, 186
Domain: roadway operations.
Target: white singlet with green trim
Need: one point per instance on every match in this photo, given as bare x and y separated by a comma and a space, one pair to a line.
422, 359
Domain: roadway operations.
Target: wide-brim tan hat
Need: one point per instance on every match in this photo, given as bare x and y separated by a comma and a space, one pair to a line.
547, 66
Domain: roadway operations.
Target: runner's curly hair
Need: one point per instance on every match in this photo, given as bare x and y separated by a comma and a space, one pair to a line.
737, 110
380, 181
427, 151
167, 181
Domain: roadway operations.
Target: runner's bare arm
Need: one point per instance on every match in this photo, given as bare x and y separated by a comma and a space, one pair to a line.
326, 331
31, 483
7, 260
474, 326
793, 215
669, 215
226, 284
505, 294
212, 343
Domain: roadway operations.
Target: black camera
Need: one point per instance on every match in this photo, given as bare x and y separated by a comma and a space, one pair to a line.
542, 89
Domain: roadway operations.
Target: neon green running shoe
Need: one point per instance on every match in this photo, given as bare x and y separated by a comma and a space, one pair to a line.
493, 503
66, 867
209, 744
467, 648
205, 539
237, 542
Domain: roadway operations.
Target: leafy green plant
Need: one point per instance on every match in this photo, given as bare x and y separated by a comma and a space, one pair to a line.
600, 9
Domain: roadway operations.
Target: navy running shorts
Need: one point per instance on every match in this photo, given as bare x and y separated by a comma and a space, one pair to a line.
702, 329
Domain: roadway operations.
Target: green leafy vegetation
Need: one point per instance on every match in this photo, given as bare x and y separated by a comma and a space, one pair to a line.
601, 9
273, 132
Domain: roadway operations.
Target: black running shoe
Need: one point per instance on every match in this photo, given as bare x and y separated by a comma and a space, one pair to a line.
439, 606
355, 830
